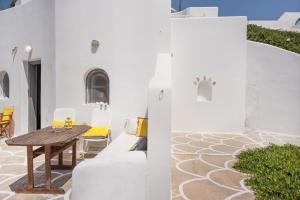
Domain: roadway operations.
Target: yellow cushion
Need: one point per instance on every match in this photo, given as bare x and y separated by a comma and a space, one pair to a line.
57, 123
6, 112
97, 132
142, 129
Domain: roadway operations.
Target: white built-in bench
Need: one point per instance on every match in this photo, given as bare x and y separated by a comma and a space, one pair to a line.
115, 173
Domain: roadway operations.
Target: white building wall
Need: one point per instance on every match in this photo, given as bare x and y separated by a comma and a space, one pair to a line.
131, 34
215, 48
159, 131
273, 92
29, 24
22, 2
198, 12
286, 21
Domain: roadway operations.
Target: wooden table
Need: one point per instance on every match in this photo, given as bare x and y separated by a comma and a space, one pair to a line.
52, 142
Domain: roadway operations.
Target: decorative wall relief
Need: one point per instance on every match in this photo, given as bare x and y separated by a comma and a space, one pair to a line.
204, 87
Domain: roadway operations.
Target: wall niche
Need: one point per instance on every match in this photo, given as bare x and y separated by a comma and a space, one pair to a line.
204, 88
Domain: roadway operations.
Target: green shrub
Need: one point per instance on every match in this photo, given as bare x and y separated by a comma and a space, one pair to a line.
283, 39
274, 171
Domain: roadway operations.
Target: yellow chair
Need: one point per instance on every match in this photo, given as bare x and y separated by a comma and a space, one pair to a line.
142, 127
56, 123
61, 114
101, 128
6, 122
98, 132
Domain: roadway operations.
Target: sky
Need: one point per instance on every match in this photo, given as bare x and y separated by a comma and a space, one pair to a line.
253, 9
4, 4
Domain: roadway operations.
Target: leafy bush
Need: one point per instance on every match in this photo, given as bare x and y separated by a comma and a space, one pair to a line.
274, 171
283, 39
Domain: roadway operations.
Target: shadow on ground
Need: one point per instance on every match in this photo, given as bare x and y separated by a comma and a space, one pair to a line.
58, 178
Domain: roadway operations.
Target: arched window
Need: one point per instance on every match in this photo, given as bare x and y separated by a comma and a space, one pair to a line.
97, 86
4, 85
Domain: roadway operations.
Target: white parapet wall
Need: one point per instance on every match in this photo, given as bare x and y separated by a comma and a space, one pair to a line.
209, 74
159, 130
117, 173
273, 92
287, 21
197, 12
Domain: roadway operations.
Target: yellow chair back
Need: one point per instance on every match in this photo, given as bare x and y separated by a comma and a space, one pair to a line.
7, 112
142, 128
56, 123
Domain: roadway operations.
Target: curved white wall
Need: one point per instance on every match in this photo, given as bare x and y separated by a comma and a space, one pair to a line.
273, 89
29, 24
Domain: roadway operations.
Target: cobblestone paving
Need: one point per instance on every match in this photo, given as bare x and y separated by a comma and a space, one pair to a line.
13, 171
201, 167
202, 164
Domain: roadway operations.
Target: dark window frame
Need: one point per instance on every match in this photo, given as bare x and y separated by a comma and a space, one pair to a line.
91, 86
5, 84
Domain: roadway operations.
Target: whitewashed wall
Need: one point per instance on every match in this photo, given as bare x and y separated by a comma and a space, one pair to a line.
159, 132
216, 48
22, 2
29, 24
286, 21
273, 92
131, 34
198, 12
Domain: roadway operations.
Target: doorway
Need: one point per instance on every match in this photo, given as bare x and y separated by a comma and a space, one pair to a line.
34, 95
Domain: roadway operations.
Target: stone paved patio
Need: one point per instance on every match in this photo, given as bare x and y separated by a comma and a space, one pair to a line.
13, 171
201, 166
13, 166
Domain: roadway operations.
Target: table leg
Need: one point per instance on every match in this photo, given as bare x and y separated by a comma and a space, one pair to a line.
48, 189
60, 159
74, 154
80, 150
30, 178
48, 166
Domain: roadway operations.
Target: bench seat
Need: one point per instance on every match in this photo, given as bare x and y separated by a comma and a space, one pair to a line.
115, 173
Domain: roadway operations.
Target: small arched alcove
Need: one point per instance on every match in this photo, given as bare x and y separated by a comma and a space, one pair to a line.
97, 86
4, 85
204, 87
204, 91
